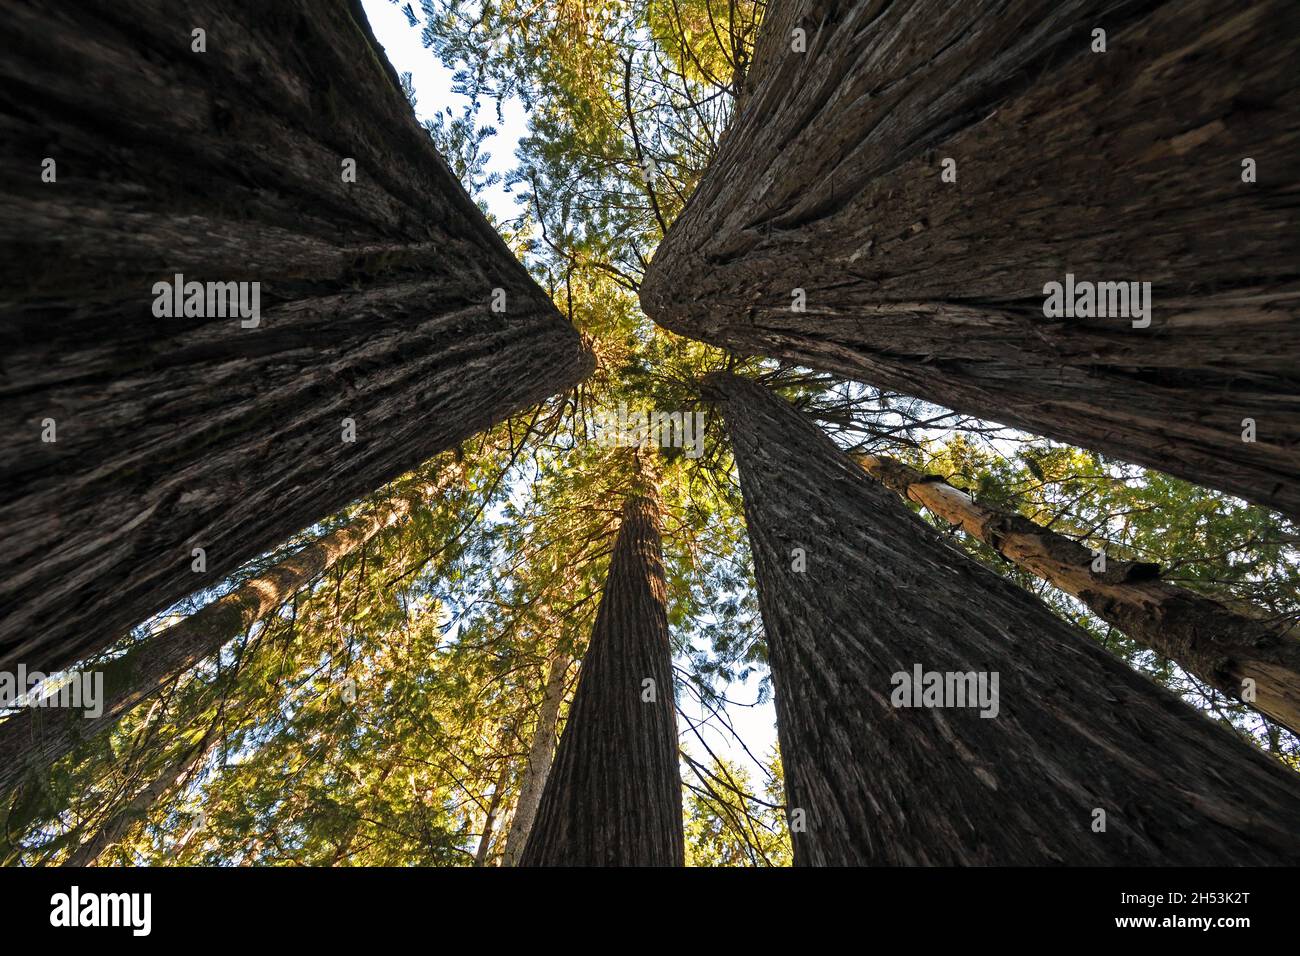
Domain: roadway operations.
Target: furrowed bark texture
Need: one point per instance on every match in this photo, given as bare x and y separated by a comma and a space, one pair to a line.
540, 754
225, 166
1212, 642
1117, 166
1075, 731
614, 795
33, 739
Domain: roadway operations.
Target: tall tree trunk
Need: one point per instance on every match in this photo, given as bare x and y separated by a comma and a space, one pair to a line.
121, 821
614, 797
876, 593
1118, 166
33, 739
490, 817
228, 165
1215, 644
540, 753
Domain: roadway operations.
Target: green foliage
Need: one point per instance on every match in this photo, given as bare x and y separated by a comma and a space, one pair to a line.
1201, 539
445, 625
728, 824
460, 140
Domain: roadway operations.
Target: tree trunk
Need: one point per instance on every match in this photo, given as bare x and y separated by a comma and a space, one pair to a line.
1074, 733
33, 739
490, 817
1215, 644
121, 821
614, 797
376, 301
1123, 166
540, 753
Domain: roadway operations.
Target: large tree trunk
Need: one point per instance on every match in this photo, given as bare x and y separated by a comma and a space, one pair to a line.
1075, 730
33, 739
1116, 166
1219, 646
226, 165
614, 797
540, 753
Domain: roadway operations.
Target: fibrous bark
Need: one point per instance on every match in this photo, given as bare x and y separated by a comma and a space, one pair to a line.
614, 795
1075, 734
33, 739
377, 301
540, 754
1214, 643
1118, 166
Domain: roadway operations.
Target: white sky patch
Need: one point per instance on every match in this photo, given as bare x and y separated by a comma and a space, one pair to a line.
432, 82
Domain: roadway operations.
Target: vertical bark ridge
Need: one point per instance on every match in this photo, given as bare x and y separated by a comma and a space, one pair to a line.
613, 797
1076, 730
173, 433
1123, 166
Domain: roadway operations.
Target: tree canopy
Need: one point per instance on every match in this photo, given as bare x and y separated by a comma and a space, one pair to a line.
385, 714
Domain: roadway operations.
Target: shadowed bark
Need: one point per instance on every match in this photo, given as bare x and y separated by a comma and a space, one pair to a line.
174, 433
1212, 642
33, 739
1074, 731
1123, 166
614, 795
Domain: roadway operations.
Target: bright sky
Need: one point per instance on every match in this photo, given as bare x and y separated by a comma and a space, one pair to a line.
432, 82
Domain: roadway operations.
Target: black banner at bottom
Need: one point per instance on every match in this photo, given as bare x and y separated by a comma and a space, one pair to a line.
139, 906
